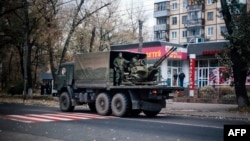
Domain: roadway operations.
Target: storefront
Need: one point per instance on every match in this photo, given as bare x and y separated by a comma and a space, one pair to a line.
208, 69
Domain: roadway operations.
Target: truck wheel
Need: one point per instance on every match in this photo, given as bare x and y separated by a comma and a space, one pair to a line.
92, 107
120, 105
151, 113
103, 104
65, 102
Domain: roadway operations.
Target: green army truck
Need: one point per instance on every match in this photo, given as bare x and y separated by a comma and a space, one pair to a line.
90, 80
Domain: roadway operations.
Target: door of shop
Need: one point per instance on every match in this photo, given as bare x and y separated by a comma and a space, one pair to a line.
170, 80
202, 77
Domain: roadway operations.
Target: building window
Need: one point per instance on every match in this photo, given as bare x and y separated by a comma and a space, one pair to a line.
174, 35
161, 6
223, 29
161, 21
174, 6
210, 16
161, 35
210, 31
174, 20
194, 15
195, 31
209, 2
184, 19
220, 14
184, 4
184, 34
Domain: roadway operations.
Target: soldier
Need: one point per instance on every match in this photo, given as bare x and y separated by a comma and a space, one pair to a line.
119, 63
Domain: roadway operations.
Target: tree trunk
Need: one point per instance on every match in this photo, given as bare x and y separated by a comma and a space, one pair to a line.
239, 67
92, 39
240, 74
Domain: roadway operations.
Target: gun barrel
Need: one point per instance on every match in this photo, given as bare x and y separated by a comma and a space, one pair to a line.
158, 62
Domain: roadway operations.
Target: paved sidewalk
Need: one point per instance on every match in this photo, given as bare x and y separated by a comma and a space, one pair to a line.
219, 111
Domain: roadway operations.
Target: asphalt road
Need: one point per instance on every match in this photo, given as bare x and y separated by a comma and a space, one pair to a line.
28, 123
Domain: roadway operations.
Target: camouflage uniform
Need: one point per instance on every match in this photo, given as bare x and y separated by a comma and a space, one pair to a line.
119, 69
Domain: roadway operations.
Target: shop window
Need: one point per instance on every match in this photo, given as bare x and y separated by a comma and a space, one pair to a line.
203, 63
213, 63
174, 63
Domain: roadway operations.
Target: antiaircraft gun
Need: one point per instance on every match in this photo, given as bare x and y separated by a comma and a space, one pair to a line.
141, 74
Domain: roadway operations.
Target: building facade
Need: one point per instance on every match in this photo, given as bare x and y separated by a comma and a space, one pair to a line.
185, 21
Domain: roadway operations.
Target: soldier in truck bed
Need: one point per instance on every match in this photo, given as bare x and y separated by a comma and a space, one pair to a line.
119, 64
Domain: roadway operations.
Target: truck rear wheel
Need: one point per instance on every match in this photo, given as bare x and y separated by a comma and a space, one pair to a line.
65, 102
120, 105
103, 104
151, 113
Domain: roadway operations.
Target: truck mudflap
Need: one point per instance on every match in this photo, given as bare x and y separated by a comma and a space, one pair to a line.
149, 106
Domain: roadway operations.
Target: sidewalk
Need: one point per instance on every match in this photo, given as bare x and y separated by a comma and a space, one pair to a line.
218, 111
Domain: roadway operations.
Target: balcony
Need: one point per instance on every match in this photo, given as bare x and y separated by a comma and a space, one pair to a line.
195, 8
162, 13
161, 27
192, 38
194, 23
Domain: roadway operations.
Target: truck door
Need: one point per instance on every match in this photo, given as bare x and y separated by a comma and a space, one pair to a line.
61, 78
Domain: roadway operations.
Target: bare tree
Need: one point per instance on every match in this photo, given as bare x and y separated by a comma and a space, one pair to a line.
76, 21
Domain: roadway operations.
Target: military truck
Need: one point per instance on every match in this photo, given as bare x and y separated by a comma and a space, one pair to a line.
90, 80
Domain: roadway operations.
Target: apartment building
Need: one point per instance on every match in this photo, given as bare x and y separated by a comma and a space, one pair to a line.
182, 21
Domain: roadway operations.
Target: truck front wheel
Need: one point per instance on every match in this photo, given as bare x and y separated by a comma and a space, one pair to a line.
103, 104
120, 105
65, 102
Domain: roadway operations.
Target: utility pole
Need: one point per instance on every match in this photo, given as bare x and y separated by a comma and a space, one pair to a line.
140, 36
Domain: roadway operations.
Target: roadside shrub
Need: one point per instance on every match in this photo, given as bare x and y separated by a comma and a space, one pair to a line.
16, 88
225, 90
207, 91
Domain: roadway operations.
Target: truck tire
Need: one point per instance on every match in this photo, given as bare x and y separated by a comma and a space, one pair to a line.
92, 107
103, 104
65, 102
120, 105
151, 113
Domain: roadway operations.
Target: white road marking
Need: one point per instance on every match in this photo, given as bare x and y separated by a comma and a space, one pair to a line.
33, 118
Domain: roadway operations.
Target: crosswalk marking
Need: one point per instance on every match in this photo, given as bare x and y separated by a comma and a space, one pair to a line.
33, 118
